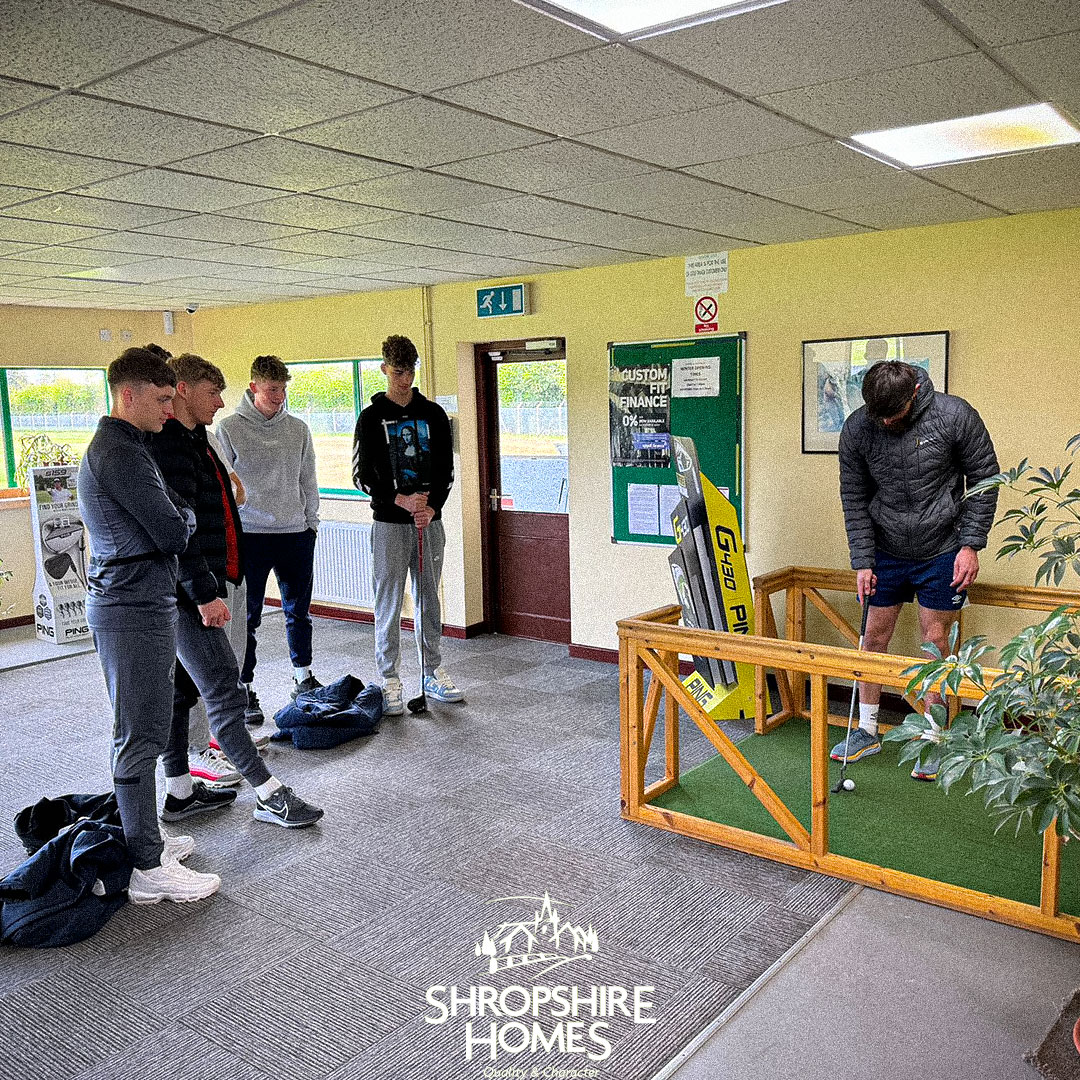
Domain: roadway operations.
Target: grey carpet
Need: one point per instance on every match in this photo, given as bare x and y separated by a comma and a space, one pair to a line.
313, 961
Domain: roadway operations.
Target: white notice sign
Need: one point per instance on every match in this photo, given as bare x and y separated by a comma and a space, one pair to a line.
669, 499
695, 376
643, 509
706, 274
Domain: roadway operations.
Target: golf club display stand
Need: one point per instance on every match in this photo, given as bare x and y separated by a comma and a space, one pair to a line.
654, 640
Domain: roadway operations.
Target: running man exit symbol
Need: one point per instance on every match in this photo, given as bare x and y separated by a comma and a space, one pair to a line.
499, 300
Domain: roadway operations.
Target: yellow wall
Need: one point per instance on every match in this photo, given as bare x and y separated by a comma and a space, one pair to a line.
1005, 288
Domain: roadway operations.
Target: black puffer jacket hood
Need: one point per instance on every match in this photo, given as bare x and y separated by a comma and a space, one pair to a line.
903, 492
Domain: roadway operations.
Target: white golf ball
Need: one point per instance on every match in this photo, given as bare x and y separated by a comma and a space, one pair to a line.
849, 784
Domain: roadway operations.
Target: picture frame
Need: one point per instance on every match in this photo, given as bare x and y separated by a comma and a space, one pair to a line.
833, 370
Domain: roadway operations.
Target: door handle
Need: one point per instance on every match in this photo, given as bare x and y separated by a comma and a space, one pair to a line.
494, 497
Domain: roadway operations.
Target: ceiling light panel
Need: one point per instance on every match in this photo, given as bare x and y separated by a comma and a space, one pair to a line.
639, 17
1030, 127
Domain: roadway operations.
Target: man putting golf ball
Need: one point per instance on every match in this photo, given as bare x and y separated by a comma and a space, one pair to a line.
906, 458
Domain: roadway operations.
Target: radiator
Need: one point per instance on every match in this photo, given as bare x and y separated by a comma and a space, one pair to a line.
343, 564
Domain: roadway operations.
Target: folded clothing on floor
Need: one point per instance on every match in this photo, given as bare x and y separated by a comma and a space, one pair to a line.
38, 824
330, 715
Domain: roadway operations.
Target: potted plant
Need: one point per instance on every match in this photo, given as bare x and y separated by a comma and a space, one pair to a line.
1020, 746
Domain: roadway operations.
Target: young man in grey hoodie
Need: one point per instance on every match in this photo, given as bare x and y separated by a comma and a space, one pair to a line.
272, 453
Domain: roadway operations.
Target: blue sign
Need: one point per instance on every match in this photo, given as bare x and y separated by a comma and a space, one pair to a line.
498, 300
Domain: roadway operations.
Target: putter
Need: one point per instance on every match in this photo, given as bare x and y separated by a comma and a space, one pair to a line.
418, 704
845, 783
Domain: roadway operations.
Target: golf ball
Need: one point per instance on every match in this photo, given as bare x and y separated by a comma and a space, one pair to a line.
849, 784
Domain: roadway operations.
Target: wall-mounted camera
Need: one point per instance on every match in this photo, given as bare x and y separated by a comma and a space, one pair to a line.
191, 308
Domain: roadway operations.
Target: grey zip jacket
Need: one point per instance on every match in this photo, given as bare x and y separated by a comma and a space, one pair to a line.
903, 493
136, 530
275, 460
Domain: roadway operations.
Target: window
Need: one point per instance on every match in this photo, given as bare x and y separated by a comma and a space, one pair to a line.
328, 396
61, 403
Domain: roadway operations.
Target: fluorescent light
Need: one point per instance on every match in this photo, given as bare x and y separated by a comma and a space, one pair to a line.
1030, 127
644, 18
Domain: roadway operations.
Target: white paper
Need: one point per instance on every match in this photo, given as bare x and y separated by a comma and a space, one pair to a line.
695, 376
706, 275
669, 499
643, 509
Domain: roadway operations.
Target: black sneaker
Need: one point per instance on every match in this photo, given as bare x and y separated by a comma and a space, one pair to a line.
310, 683
285, 807
253, 714
201, 801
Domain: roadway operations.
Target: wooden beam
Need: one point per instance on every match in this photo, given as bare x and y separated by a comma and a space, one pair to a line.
655, 790
634, 759
671, 726
652, 710
624, 721
847, 631
783, 683
795, 630
730, 752
819, 764
1050, 886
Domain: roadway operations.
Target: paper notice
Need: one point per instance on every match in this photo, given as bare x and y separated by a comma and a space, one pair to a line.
643, 509
695, 376
669, 499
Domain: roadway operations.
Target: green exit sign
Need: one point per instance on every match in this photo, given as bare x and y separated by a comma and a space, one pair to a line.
498, 300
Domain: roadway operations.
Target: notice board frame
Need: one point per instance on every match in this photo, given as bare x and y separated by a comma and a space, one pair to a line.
716, 425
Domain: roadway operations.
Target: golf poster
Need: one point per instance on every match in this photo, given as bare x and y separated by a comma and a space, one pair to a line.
60, 547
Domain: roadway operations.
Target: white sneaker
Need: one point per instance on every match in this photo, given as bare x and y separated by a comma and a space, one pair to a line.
213, 768
177, 848
171, 881
441, 687
392, 703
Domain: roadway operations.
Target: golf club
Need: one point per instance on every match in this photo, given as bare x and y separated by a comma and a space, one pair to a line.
418, 704
845, 783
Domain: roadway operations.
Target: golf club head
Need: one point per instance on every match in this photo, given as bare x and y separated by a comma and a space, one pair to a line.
417, 704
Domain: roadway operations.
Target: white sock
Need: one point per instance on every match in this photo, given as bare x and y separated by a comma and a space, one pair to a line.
264, 791
179, 786
868, 718
301, 673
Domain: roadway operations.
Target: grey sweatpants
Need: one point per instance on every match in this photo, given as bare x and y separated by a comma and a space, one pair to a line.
236, 631
394, 555
138, 668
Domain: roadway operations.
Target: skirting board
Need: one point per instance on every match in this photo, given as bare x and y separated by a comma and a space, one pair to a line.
18, 620
611, 656
330, 611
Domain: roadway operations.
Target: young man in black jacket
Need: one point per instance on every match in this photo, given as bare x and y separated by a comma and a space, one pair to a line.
403, 458
206, 659
906, 457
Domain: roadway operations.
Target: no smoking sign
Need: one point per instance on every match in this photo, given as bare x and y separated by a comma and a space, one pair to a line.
705, 310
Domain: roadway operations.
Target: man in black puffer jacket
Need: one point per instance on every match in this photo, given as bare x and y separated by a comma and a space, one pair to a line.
906, 457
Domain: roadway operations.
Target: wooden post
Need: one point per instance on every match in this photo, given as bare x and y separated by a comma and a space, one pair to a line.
819, 764
635, 758
1050, 887
796, 631
671, 725
624, 722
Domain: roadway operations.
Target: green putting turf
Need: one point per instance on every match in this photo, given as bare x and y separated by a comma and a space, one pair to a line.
889, 820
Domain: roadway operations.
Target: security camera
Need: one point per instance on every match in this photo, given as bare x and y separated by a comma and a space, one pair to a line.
191, 308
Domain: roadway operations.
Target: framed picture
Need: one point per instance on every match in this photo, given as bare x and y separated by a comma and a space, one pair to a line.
833, 371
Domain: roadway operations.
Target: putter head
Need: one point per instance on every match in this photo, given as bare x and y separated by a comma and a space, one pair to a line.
417, 704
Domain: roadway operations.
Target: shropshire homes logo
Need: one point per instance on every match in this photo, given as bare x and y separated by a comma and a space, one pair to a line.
501, 1022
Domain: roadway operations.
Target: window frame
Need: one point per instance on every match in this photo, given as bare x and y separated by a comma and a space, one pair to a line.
6, 426
356, 364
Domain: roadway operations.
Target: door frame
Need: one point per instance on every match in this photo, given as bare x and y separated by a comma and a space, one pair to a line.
486, 426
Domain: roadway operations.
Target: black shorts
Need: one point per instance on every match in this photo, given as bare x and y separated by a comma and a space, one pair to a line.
899, 581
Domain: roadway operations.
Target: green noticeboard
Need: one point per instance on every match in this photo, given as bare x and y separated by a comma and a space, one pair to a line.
692, 388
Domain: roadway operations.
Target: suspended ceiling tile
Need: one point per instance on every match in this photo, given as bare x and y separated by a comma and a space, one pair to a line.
588, 91
582, 255
267, 275
144, 244
734, 129
935, 209
545, 166
787, 225
7, 247
241, 255
348, 284
418, 44
247, 87
208, 14
42, 232
21, 269
815, 163
416, 192
353, 268
483, 267
312, 212
330, 244
420, 276
222, 287
147, 271
1042, 180
809, 42
283, 163
14, 95
83, 125
1052, 65
535, 214
71, 255
836, 194
644, 194
430, 231
68, 42
50, 170
223, 229
1001, 22
180, 191
418, 131
10, 195
920, 94
100, 213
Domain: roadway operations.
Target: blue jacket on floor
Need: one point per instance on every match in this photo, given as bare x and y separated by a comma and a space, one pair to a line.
331, 715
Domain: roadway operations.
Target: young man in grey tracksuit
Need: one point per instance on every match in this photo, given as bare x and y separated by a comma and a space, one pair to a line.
136, 532
272, 453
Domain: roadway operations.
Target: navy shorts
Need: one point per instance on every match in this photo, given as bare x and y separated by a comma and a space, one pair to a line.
899, 581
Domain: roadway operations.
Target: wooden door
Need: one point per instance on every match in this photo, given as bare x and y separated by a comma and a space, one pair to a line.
525, 486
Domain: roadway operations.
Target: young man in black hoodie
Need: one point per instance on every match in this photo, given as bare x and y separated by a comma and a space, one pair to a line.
403, 458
